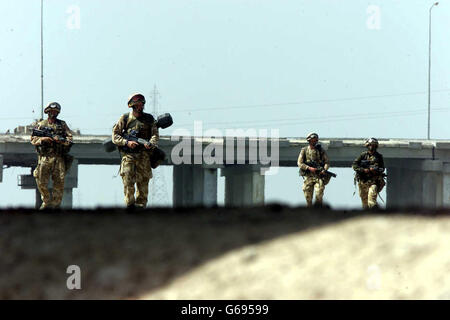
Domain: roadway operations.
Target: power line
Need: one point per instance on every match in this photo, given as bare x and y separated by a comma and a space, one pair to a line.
195, 109
313, 119
318, 119
344, 119
42, 59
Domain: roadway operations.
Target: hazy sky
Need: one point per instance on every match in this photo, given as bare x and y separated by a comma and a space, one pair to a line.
342, 68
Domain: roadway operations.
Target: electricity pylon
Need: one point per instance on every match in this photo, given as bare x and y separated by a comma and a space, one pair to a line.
158, 187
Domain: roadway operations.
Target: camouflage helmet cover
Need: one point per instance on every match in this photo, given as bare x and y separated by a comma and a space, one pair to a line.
371, 141
53, 106
135, 95
312, 135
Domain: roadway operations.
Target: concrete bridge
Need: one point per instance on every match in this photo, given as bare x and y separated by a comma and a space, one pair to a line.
418, 170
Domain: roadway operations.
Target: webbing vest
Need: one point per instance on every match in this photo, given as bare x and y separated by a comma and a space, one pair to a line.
142, 125
53, 148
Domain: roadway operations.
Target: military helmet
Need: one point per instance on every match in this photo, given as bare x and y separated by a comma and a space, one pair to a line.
312, 135
140, 97
53, 106
371, 141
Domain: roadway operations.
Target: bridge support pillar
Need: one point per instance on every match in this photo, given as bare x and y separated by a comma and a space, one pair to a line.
70, 182
194, 185
1, 168
404, 187
244, 185
446, 186
422, 184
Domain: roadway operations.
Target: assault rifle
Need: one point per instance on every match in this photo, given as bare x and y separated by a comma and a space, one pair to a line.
157, 155
50, 133
47, 132
365, 164
133, 136
163, 121
320, 168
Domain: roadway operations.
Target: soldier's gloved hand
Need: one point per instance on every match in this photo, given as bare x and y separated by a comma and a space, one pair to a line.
322, 172
132, 144
311, 169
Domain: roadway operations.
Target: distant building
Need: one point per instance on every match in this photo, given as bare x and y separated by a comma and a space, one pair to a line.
26, 130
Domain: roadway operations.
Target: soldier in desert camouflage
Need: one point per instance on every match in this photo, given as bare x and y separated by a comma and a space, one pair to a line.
313, 162
52, 156
135, 167
369, 168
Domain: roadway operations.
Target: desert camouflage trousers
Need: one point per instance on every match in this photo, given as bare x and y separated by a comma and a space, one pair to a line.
54, 167
368, 193
313, 184
135, 169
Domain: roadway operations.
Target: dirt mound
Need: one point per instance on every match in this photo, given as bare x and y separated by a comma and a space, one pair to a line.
256, 253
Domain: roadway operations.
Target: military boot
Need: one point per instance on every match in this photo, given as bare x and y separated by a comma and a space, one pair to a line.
44, 206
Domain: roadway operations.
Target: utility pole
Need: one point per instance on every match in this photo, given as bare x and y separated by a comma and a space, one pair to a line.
42, 59
158, 188
429, 72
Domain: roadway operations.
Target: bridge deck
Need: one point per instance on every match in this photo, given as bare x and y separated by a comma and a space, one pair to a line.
88, 149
